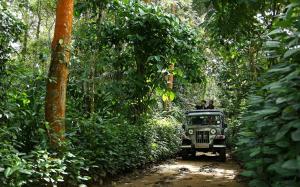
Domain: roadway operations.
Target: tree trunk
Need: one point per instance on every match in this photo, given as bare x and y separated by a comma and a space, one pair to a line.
24, 52
170, 77
26, 33
92, 86
55, 103
140, 91
89, 87
252, 59
39, 20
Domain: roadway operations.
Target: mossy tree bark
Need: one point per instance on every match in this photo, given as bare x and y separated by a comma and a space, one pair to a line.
55, 102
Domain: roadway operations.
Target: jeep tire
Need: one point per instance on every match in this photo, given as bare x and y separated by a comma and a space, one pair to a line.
222, 155
185, 156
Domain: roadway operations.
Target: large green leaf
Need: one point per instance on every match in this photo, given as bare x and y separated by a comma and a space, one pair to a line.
291, 164
283, 143
276, 31
295, 123
258, 183
255, 151
8, 171
272, 44
280, 69
296, 135
291, 52
248, 173
267, 111
270, 150
283, 130
274, 85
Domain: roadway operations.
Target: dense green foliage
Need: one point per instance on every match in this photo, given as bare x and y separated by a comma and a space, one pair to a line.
137, 46
120, 146
105, 133
236, 32
97, 148
269, 142
257, 71
242, 53
10, 28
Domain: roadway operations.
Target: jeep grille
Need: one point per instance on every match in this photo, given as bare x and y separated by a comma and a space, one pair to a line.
202, 136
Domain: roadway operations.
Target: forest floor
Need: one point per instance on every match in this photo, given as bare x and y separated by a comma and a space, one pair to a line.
201, 171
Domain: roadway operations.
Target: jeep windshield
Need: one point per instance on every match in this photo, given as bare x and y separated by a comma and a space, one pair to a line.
205, 120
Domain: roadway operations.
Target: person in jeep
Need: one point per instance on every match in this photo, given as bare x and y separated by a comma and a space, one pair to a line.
201, 105
204, 131
210, 104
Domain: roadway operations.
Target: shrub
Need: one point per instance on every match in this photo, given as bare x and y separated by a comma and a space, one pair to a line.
112, 146
39, 167
269, 142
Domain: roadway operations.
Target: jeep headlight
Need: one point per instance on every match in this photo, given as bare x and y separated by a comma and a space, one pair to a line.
191, 131
213, 131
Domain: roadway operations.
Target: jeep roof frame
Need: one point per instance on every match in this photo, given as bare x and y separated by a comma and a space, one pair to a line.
204, 111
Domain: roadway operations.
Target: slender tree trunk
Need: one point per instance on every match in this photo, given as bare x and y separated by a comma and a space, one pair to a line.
24, 52
140, 91
39, 20
85, 89
170, 77
92, 86
89, 87
38, 27
26, 33
55, 103
171, 67
252, 59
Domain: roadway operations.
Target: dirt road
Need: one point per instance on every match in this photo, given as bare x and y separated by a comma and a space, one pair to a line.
202, 171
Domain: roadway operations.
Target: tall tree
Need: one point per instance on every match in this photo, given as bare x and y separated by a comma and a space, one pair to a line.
170, 77
39, 16
55, 104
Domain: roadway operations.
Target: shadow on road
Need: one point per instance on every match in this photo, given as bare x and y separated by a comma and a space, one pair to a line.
204, 157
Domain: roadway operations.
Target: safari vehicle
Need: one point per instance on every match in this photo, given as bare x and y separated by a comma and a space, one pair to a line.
204, 131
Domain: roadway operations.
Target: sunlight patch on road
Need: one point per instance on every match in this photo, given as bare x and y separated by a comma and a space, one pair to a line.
230, 174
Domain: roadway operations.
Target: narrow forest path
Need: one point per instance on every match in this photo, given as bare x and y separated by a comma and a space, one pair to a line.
202, 171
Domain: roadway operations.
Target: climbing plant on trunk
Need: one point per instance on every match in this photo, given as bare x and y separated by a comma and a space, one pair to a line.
58, 72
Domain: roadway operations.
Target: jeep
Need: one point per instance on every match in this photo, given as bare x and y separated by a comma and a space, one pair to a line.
204, 131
